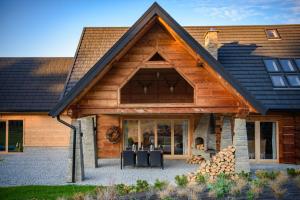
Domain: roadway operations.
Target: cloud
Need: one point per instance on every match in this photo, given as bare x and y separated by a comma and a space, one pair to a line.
248, 10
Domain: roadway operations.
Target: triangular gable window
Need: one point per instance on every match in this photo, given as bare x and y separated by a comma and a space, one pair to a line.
157, 57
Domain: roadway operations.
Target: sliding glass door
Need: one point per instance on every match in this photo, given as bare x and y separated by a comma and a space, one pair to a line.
262, 140
168, 134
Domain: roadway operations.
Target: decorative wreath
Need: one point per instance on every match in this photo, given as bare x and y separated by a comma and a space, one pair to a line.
113, 134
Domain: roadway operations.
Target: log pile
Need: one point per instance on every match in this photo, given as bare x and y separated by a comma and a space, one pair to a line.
222, 162
195, 160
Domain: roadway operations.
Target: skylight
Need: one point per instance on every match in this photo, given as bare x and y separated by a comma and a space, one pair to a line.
287, 65
272, 34
271, 65
284, 73
278, 81
294, 80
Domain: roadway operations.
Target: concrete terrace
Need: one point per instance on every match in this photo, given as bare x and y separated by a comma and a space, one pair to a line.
48, 166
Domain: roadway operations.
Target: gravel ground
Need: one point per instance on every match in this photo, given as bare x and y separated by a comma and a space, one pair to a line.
48, 166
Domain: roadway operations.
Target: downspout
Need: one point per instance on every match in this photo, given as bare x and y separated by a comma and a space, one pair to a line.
74, 144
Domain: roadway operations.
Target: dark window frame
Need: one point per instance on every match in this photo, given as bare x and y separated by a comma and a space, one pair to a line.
6, 151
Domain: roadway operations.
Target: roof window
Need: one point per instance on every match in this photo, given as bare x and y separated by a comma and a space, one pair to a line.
272, 34
297, 61
272, 65
294, 80
278, 81
287, 65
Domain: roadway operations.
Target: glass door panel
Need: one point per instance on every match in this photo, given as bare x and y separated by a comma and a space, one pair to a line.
147, 133
268, 140
15, 136
180, 137
130, 128
251, 139
2, 136
164, 135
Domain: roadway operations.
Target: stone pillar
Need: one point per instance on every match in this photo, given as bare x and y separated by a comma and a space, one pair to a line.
226, 134
89, 142
240, 143
79, 166
211, 42
202, 129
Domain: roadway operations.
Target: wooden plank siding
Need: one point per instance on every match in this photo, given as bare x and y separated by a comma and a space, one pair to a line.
41, 130
209, 92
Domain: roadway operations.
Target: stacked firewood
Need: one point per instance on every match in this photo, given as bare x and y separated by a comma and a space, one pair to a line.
195, 160
222, 162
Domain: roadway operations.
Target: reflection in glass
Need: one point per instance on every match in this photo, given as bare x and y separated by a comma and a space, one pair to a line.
180, 137
164, 135
268, 140
147, 133
2, 135
251, 139
130, 128
15, 136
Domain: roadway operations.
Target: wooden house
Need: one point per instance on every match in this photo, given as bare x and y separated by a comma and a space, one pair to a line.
158, 83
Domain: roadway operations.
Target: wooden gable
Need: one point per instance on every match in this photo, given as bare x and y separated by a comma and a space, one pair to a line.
211, 95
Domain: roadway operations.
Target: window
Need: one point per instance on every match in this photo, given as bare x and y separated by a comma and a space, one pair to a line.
157, 57
287, 65
272, 34
284, 73
262, 140
271, 65
298, 63
294, 80
11, 136
278, 81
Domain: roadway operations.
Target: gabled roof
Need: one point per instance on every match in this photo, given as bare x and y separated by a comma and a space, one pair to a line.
31, 84
73, 88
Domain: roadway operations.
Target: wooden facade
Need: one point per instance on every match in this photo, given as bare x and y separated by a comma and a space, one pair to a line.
41, 130
211, 94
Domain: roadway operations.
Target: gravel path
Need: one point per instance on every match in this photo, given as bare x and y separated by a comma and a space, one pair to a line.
48, 166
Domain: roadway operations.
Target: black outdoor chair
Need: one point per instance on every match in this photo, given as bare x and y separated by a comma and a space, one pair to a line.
156, 159
142, 158
127, 158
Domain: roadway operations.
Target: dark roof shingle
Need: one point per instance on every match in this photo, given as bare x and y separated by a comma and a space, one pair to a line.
32, 84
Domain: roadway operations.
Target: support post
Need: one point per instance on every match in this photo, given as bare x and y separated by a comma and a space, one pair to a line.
89, 142
79, 166
226, 133
240, 143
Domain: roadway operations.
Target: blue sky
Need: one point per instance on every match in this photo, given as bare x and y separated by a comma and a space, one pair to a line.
53, 27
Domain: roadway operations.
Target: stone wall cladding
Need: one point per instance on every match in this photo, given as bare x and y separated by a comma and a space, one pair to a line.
240, 143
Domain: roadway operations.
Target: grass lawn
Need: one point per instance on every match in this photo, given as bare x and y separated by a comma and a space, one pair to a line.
42, 192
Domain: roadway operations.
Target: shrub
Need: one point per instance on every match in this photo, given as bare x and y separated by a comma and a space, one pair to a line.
276, 185
244, 175
159, 185
181, 181
201, 179
292, 172
122, 189
221, 186
263, 174
167, 193
256, 187
107, 193
141, 186
239, 185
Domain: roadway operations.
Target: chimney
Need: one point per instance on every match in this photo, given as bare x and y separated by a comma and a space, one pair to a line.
211, 42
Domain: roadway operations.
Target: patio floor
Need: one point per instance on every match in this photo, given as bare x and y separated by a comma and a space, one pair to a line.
48, 166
